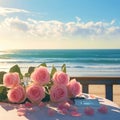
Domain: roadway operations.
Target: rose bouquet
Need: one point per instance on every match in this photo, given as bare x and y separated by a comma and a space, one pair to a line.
54, 86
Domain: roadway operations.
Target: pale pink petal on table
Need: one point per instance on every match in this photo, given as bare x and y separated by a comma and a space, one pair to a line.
103, 109
92, 96
51, 112
70, 102
64, 105
32, 109
21, 113
73, 108
21, 110
28, 104
64, 111
75, 114
89, 111
42, 104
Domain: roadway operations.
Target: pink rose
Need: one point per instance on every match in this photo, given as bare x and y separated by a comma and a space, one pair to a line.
74, 88
16, 94
35, 93
60, 78
11, 80
41, 75
58, 93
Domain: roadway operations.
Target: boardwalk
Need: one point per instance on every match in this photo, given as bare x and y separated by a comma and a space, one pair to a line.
108, 87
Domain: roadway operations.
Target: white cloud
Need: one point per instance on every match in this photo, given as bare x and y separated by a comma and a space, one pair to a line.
6, 11
15, 24
32, 33
54, 28
114, 30
59, 29
24, 29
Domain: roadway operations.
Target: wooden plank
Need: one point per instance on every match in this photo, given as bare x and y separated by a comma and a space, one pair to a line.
109, 91
107, 81
98, 80
85, 88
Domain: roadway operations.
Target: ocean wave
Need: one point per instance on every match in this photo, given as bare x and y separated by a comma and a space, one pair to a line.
65, 60
77, 61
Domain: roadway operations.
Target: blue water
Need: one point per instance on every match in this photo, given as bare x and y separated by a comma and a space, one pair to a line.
78, 62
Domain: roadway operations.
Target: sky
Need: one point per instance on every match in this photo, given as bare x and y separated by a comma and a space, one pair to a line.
59, 24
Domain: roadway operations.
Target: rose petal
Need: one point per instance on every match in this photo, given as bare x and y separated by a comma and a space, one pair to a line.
92, 96
89, 111
32, 109
41, 104
21, 110
70, 102
103, 109
28, 104
73, 108
64, 105
21, 113
75, 114
51, 112
64, 111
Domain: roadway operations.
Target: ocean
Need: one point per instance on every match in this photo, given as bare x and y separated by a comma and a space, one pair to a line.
79, 62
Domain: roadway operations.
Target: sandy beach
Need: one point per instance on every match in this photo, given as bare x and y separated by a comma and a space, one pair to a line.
99, 90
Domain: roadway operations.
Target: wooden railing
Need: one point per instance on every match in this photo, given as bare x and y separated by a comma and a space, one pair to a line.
107, 81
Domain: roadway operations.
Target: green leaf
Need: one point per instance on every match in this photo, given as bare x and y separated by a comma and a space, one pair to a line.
47, 98
30, 70
16, 68
53, 71
43, 64
3, 93
1, 76
27, 75
63, 68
